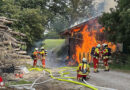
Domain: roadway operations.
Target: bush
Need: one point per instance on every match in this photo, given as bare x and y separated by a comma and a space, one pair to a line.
121, 61
52, 35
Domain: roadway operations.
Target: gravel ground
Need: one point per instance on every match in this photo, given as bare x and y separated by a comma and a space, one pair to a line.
112, 80
115, 80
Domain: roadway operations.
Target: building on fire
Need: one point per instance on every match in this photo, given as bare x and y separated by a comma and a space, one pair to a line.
82, 37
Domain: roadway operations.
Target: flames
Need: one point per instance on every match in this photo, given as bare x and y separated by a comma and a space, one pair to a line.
89, 40
82, 38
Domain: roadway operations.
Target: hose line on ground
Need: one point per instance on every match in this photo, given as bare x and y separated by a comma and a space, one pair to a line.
75, 82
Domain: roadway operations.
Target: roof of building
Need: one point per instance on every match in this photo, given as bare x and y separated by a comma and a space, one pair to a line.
91, 22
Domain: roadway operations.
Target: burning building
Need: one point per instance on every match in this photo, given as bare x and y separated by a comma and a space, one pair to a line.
81, 38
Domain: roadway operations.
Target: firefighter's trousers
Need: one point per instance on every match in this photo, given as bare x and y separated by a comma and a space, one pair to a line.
106, 63
43, 63
34, 62
95, 63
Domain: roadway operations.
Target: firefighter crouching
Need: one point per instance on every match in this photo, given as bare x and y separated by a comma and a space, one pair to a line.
105, 55
35, 57
43, 54
83, 70
96, 57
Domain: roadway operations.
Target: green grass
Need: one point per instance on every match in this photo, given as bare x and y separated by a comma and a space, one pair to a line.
20, 82
53, 43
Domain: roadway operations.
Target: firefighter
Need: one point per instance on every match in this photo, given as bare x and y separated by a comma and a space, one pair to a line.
83, 70
106, 52
96, 57
43, 54
36, 56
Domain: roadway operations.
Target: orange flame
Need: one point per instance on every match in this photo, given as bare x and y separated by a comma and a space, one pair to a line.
102, 29
87, 35
89, 41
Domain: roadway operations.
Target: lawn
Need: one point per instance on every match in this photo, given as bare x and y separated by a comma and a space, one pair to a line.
53, 43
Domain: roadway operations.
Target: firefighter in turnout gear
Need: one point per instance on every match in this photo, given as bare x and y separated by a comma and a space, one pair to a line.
36, 57
83, 70
96, 57
105, 55
43, 53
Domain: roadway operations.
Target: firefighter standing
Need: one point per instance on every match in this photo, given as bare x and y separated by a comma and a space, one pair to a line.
36, 57
92, 52
43, 53
96, 57
105, 55
83, 69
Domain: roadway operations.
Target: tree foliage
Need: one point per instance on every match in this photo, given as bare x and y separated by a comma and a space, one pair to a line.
117, 23
35, 16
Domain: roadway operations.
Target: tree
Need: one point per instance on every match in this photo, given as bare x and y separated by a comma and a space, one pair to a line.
72, 10
30, 23
117, 24
67, 12
34, 16
31, 18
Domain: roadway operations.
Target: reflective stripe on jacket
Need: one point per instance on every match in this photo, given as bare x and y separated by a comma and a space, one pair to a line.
35, 54
105, 53
42, 53
83, 66
96, 53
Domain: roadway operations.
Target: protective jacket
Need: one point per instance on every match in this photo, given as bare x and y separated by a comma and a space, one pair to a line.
42, 53
105, 53
96, 53
35, 54
83, 69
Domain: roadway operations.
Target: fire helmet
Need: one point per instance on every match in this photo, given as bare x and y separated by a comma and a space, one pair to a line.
105, 45
84, 60
42, 48
98, 46
36, 49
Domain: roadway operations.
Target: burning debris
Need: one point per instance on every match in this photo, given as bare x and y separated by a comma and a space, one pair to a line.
10, 47
82, 38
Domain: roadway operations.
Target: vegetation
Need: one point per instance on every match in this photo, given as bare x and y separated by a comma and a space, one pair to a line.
33, 17
53, 43
52, 35
117, 27
21, 82
117, 24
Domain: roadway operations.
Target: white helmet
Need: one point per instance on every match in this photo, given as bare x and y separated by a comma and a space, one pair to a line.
84, 60
36, 49
98, 46
104, 44
42, 48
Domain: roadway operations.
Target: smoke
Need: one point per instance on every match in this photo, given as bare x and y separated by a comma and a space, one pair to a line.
104, 5
37, 44
109, 4
99, 6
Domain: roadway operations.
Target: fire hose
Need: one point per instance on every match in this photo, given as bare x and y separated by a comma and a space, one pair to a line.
59, 78
71, 81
